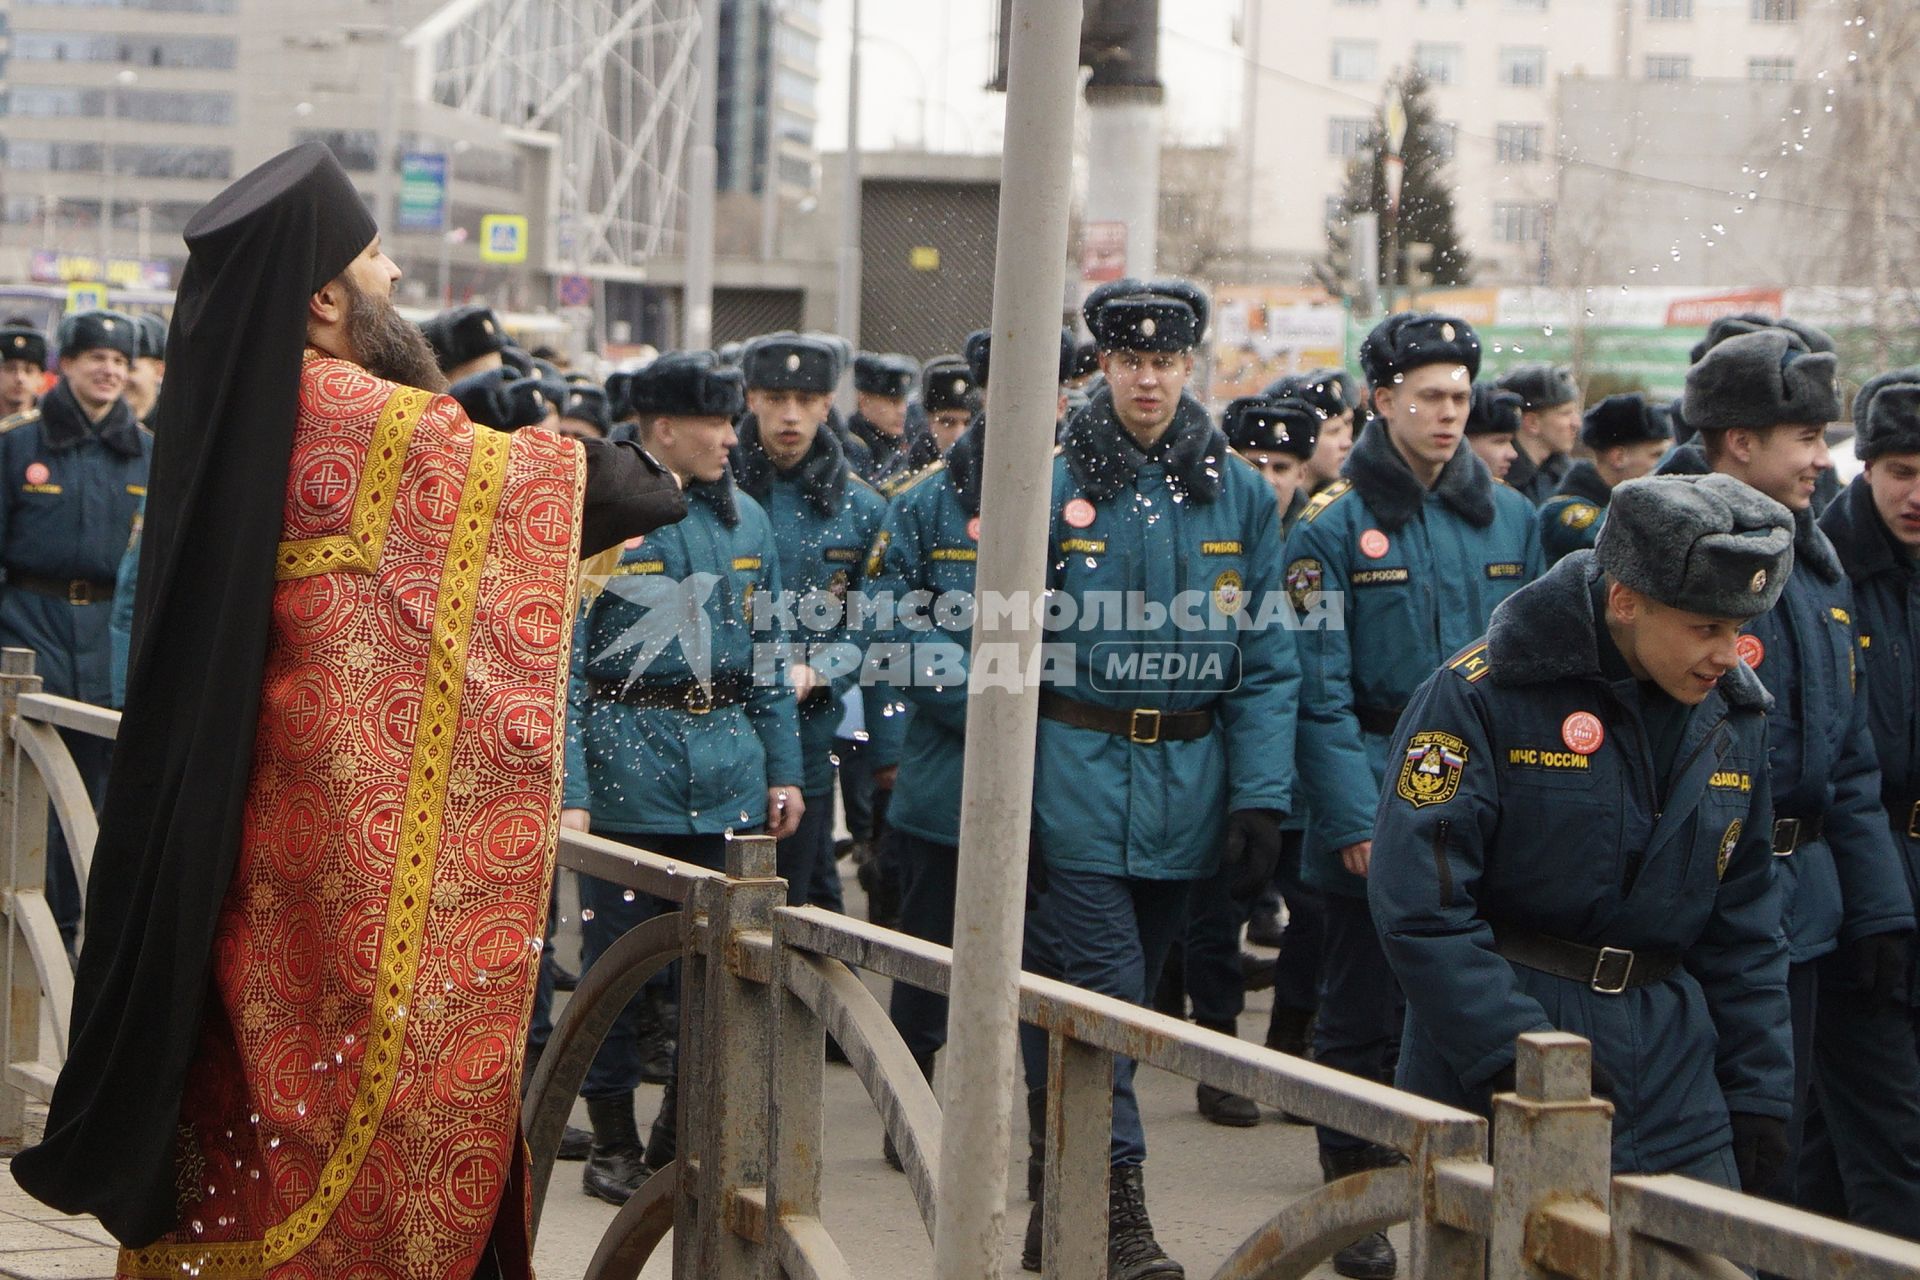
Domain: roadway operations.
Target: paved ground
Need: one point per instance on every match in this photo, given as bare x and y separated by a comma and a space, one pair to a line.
1207, 1188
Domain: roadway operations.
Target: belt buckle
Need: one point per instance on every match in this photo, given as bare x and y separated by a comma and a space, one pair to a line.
1143, 726
1786, 836
79, 591
699, 699
1615, 956
1913, 821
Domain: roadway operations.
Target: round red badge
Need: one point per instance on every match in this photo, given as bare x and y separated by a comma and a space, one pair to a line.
1583, 733
1078, 513
1373, 543
37, 473
973, 528
1751, 651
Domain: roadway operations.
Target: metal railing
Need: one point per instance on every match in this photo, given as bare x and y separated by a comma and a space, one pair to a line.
743, 1199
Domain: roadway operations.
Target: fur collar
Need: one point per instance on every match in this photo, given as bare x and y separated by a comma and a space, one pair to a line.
879, 443
1684, 460
1560, 606
1812, 549
1103, 459
963, 463
718, 494
1859, 536
64, 425
1583, 481
1394, 496
822, 474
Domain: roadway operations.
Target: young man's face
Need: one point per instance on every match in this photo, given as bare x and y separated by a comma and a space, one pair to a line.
947, 426
789, 421
1426, 412
1282, 472
1894, 481
888, 414
578, 429
1557, 428
97, 378
1496, 450
695, 449
1624, 462
1784, 462
1331, 450
143, 384
1684, 653
1146, 386
19, 383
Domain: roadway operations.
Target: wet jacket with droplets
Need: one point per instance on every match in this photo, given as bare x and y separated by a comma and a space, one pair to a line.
1186, 539
677, 772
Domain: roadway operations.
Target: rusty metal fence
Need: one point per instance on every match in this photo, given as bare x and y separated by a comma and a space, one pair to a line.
764, 984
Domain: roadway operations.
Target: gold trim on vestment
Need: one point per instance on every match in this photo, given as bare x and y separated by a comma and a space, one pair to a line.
408, 902
358, 549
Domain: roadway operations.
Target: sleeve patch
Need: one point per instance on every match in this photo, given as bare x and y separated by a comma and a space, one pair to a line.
1304, 578
1579, 515
1431, 772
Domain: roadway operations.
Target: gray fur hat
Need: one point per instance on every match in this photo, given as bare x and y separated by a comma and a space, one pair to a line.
1706, 544
1540, 386
1865, 395
1761, 379
1891, 421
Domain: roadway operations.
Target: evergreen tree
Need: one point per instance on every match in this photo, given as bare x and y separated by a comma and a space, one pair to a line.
1426, 196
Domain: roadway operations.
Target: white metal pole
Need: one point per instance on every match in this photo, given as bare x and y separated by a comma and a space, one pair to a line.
847, 318
702, 162
997, 796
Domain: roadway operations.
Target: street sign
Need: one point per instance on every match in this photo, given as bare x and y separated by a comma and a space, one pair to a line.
503, 238
423, 191
86, 297
575, 291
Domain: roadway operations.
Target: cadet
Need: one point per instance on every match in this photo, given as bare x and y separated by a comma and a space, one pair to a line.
951, 398
1627, 434
1146, 783
1549, 419
881, 385
1421, 544
824, 520
1801, 337
72, 474
663, 750
23, 366
858, 456
1577, 839
149, 368
1875, 529
1330, 391
466, 340
1493, 420
1277, 437
1761, 402
585, 413
980, 364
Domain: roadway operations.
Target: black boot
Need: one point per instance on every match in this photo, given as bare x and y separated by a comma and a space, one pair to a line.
1132, 1252
663, 1140
1030, 1243
1263, 927
887, 1150
1221, 1107
1036, 1143
1371, 1257
575, 1144
656, 1034
564, 979
616, 1164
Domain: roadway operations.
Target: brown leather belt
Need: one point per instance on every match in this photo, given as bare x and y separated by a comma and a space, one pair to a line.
689, 696
1145, 725
1789, 834
1378, 720
75, 591
1607, 970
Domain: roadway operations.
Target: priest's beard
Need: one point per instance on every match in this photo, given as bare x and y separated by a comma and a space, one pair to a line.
388, 345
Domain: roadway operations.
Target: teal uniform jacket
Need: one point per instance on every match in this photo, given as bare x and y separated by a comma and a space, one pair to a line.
120, 624
1571, 519
1191, 531
1492, 822
825, 519
1886, 596
927, 544
69, 489
1420, 571
677, 772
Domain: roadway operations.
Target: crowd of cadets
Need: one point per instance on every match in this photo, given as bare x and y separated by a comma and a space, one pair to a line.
1690, 834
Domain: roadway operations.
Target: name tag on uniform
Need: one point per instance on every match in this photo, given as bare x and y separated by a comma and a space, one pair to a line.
954, 553
746, 562
1220, 549
41, 488
1535, 758
843, 555
1505, 570
1379, 577
1092, 546
640, 566
1731, 780
137, 490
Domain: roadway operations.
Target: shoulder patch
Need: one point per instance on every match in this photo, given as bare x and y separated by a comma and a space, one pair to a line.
1579, 515
15, 420
900, 484
1324, 499
861, 480
1472, 664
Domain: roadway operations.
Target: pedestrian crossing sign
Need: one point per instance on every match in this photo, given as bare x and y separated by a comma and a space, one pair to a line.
503, 238
84, 296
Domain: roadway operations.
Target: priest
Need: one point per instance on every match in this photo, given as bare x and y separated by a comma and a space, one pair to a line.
323, 864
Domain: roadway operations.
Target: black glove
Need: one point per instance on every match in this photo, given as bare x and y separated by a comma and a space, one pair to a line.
501, 400
1879, 963
1759, 1150
1252, 852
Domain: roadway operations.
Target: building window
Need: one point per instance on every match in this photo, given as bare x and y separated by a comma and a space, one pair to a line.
150, 6
1355, 60
1769, 68
1523, 67
1439, 63
1538, 6
1441, 139
1518, 143
1519, 223
173, 162
1670, 10
357, 150
1669, 66
199, 52
1775, 10
36, 156
1347, 134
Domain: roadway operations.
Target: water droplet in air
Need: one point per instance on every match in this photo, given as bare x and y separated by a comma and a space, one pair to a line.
586, 913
